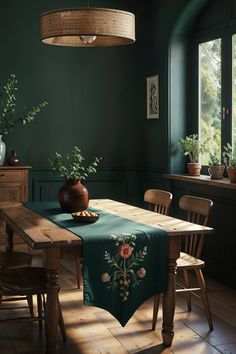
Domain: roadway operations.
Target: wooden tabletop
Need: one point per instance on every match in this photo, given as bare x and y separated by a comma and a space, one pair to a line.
171, 225
34, 229
39, 232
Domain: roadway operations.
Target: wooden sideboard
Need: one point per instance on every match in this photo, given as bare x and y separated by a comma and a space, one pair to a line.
13, 185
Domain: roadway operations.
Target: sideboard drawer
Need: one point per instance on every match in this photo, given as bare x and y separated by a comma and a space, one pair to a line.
14, 183
13, 188
11, 176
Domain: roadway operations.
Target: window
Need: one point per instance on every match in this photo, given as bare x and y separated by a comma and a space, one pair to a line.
210, 97
215, 38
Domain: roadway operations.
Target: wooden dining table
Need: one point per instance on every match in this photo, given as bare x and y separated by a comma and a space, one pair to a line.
41, 233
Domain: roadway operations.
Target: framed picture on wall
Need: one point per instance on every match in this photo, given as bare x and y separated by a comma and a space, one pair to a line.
153, 99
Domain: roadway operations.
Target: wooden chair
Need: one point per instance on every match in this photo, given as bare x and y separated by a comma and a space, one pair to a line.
158, 200
198, 210
14, 259
20, 283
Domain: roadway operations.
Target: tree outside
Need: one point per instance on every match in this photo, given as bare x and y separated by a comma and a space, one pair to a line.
210, 97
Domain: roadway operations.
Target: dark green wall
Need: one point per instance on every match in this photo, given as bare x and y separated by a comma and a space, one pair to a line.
97, 96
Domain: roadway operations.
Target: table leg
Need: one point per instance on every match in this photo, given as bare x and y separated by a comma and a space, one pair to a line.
9, 234
169, 305
52, 314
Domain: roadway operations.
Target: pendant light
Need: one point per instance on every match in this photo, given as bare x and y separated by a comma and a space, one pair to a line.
87, 27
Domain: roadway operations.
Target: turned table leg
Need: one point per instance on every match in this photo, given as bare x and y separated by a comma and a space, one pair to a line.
169, 296
52, 313
169, 306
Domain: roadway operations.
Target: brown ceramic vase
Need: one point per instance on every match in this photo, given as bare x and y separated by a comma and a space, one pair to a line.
13, 159
73, 196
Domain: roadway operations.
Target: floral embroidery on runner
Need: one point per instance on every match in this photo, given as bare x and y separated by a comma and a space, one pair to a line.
126, 267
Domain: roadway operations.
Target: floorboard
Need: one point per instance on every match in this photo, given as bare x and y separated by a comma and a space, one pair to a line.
91, 330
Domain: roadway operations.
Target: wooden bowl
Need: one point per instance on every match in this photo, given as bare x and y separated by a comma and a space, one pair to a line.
85, 216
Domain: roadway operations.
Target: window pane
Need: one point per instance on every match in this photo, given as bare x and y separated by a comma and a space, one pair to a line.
210, 97
234, 94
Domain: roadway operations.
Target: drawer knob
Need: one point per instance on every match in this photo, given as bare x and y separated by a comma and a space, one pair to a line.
2, 175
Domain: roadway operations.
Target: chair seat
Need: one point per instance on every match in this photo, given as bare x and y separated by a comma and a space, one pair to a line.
186, 261
14, 259
21, 281
26, 282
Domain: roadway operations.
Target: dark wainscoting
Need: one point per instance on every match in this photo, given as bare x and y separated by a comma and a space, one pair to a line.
219, 249
126, 185
44, 184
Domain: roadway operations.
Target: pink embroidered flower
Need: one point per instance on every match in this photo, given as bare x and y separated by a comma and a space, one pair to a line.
105, 277
125, 250
141, 272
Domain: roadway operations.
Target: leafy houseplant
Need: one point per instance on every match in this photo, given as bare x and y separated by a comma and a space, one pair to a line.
216, 169
73, 196
230, 162
73, 168
214, 160
192, 148
10, 116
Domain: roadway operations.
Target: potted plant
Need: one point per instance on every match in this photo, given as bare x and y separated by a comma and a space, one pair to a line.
73, 196
192, 147
230, 162
216, 169
9, 114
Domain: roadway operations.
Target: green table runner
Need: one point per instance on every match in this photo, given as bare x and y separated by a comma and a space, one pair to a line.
124, 262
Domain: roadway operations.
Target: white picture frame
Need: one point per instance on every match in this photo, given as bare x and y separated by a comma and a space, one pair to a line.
153, 99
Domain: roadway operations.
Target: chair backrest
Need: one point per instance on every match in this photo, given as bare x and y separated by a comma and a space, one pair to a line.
198, 211
158, 200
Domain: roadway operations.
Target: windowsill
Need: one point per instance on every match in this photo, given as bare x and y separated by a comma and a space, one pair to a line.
203, 179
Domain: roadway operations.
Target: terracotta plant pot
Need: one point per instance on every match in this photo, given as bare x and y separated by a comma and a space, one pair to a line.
73, 196
216, 171
231, 171
194, 168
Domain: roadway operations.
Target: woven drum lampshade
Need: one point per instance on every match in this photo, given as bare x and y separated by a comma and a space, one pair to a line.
88, 27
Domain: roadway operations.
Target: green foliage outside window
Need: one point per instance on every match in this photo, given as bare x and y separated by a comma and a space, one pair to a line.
234, 94
210, 97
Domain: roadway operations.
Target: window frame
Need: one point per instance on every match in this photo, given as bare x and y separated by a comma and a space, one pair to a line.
226, 79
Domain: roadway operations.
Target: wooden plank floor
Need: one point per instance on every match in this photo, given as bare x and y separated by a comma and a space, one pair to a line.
93, 331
